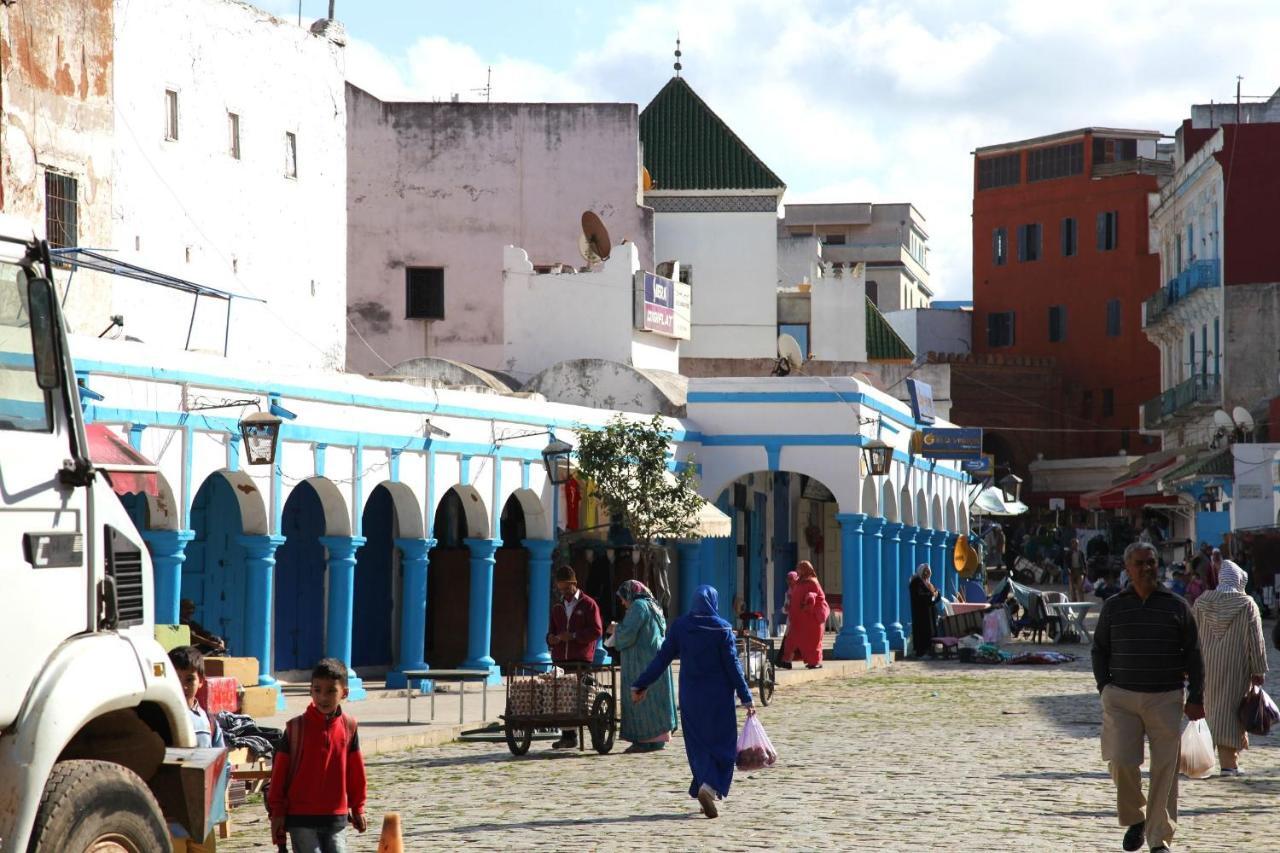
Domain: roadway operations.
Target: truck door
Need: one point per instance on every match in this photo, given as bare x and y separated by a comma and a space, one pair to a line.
44, 586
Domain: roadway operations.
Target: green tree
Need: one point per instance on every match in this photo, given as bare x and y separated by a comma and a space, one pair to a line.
626, 466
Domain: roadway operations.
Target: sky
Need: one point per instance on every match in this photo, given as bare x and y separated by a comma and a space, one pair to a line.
845, 101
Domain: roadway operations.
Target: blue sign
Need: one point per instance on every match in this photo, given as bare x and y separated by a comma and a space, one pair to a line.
955, 443
921, 401
980, 468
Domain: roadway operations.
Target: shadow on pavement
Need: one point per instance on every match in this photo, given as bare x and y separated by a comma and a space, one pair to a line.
1077, 715
572, 822
484, 758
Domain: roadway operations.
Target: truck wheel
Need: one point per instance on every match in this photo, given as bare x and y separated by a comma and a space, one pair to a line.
97, 806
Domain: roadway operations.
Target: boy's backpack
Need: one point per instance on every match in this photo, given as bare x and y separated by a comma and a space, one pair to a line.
293, 737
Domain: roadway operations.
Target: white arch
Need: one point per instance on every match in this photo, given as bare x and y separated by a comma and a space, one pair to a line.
922, 509
537, 522
477, 514
404, 505
870, 505
935, 514
253, 510
906, 510
337, 520
951, 516
888, 503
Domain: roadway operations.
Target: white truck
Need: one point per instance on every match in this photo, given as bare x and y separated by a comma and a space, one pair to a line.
92, 717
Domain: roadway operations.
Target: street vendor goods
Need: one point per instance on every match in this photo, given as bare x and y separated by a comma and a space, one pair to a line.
755, 751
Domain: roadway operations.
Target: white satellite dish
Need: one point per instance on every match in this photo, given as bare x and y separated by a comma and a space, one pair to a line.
1243, 419
789, 348
1222, 419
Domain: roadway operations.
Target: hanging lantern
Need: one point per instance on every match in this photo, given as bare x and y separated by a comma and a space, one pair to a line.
555, 457
879, 456
260, 431
1011, 485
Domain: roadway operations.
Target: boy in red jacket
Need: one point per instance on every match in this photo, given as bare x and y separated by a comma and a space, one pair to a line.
317, 778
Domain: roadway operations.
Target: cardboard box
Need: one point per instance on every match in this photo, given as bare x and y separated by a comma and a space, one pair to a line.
191, 787
243, 670
217, 694
258, 702
171, 636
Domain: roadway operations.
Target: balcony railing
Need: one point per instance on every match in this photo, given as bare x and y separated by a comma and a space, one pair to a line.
1139, 166
1197, 276
1183, 400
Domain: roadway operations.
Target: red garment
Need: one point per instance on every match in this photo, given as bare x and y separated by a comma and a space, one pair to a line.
584, 625
330, 778
806, 621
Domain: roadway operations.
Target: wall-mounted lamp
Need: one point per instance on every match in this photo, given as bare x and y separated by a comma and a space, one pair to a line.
878, 455
555, 458
432, 429
1011, 485
261, 431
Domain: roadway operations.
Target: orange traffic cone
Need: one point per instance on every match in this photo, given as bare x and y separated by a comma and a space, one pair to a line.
390, 840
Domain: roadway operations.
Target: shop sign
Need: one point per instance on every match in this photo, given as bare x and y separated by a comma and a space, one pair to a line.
921, 401
954, 443
983, 466
662, 306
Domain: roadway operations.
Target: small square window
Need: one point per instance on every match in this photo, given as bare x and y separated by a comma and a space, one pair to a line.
1000, 331
61, 209
424, 293
290, 155
233, 131
170, 114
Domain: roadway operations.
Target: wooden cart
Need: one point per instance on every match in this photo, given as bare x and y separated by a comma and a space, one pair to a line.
582, 696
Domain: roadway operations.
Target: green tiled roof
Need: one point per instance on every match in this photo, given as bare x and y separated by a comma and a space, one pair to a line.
688, 147
883, 343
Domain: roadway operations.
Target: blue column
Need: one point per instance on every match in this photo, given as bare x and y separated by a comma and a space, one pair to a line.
539, 622
168, 552
851, 643
480, 617
891, 554
690, 556
949, 547
912, 555
342, 583
260, 564
873, 604
414, 561
940, 560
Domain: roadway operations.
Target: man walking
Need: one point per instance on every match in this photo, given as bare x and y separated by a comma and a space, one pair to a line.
1144, 646
575, 630
1075, 571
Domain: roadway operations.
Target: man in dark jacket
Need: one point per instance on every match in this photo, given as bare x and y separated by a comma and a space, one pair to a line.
575, 630
1145, 651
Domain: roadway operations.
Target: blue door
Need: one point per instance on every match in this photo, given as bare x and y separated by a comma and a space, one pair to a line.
375, 610
300, 583
213, 575
755, 596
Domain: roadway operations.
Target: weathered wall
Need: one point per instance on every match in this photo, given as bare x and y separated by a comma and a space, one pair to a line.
946, 330
838, 325
186, 207
57, 67
1251, 369
450, 185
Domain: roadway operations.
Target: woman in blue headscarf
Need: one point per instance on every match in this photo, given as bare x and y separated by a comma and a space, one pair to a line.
709, 676
637, 638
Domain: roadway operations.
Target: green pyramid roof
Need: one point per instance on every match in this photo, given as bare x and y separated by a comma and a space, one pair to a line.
688, 147
883, 343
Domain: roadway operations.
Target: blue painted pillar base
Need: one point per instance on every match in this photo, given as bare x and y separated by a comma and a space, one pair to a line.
414, 562
888, 580
260, 564
690, 556
911, 537
342, 580
953, 579
480, 621
541, 552
168, 552
871, 582
851, 643
939, 561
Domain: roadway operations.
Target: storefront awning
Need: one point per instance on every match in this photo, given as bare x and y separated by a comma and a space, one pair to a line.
107, 448
1135, 490
1206, 463
991, 501
712, 523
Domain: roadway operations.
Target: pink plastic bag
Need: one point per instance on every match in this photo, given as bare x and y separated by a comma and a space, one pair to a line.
755, 751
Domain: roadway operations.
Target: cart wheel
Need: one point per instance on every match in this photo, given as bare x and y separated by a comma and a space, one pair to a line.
518, 739
602, 723
767, 682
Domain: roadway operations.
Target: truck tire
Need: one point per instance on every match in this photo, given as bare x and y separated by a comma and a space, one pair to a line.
97, 806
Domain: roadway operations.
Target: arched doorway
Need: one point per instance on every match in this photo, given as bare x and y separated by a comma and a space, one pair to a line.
391, 513
449, 584
301, 582
226, 506
510, 586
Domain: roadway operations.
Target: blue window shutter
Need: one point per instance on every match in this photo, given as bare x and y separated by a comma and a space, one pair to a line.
1102, 232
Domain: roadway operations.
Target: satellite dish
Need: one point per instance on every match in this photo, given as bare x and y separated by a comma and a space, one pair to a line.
594, 242
789, 348
1222, 419
1243, 419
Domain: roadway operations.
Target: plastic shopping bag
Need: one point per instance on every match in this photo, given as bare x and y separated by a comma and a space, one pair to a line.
755, 751
1197, 759
1258, 713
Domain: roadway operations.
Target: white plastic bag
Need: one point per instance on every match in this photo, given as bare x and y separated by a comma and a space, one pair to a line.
755, 751
1196, 760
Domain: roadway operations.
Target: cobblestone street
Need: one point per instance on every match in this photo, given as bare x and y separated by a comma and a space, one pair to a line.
925, 756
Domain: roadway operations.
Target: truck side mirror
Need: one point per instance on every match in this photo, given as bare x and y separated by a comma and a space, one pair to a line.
41, 308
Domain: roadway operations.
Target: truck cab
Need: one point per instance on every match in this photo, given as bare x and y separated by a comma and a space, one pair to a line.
89, 705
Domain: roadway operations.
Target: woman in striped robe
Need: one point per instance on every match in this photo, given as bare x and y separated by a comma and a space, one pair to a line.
1234, 653
638, 638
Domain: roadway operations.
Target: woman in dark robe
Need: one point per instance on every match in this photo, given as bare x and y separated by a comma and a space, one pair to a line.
710, 674
924, 595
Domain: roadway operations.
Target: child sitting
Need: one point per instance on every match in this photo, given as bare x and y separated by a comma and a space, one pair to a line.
188, 664
317, 780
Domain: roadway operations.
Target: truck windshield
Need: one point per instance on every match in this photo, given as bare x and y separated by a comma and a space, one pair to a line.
24, 406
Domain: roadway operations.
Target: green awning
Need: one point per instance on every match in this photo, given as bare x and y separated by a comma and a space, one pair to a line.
1216, 462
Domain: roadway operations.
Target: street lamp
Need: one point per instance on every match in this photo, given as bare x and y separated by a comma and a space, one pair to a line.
555, 457
1011, 485
878, 455
260, 430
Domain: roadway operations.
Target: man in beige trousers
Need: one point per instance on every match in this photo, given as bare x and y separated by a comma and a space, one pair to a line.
1145, 651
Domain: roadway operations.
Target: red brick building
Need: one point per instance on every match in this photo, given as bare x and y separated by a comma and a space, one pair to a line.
1061, 267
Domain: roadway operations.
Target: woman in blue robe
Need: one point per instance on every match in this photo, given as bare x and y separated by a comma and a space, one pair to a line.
709, 676
637, 638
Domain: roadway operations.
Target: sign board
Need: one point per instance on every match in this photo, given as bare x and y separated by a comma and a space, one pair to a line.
980, 468
662, 306
1249, 491
955, 443
921, 401
1057, 503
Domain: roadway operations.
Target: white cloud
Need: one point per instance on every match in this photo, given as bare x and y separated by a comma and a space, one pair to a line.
879, 100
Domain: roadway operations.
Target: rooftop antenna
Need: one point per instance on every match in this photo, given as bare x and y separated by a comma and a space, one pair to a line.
678, 66
594, 243
488, 84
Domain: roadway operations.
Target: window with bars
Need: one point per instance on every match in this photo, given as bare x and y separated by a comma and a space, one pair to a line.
1029, 242
61, 209
170, 114
1058, 161
1000, 329
424, 293
1108, 232
1002, 171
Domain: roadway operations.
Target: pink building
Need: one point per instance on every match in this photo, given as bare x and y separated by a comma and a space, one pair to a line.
436, 190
